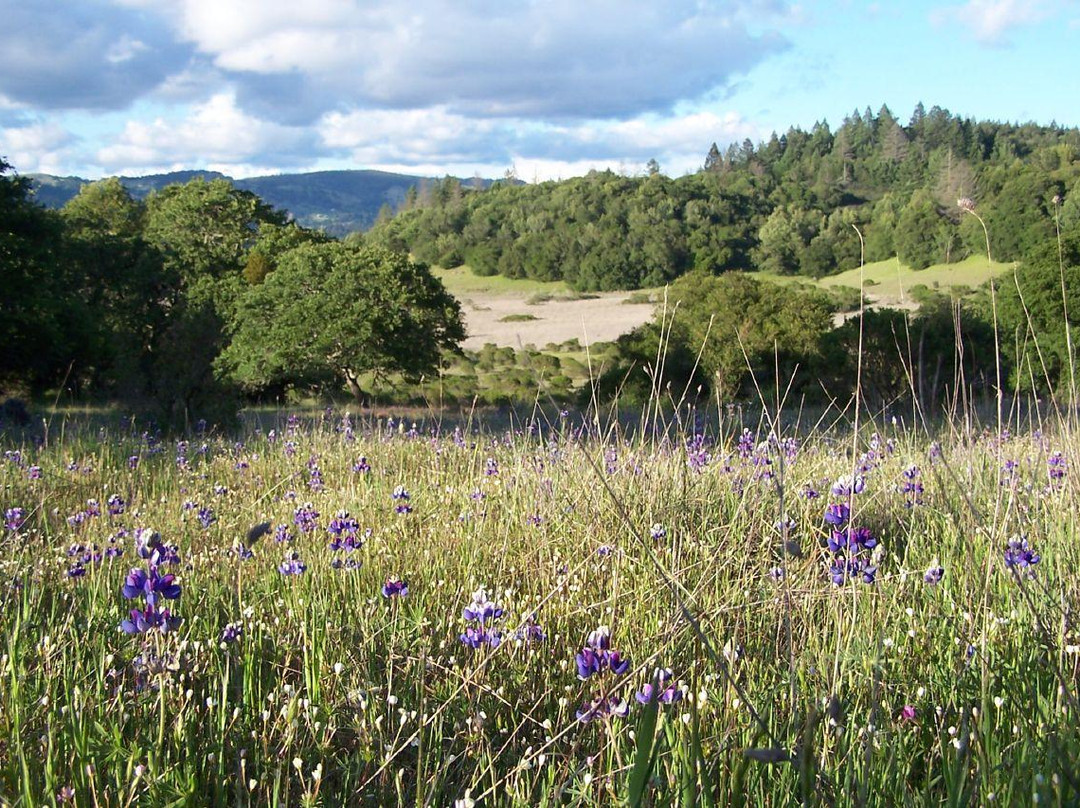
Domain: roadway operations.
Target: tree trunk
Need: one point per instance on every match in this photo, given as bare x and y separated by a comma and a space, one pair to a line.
354, 388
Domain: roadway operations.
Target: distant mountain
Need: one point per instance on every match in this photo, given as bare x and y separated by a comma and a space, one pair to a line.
339, 202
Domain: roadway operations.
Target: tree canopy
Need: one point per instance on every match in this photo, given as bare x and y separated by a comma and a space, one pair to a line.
334, 311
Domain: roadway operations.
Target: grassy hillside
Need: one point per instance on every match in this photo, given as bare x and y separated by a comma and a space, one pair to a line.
890, 283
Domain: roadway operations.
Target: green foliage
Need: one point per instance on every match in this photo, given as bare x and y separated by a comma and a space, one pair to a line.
1039, 315
785, 206
738, 326
330, 311
46, 328
918, 232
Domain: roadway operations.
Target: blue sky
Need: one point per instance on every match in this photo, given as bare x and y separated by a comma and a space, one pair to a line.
551, 88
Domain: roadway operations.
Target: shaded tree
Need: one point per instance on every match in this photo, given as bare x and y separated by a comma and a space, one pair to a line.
333, 312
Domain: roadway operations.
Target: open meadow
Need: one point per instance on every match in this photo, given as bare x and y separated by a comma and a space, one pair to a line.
328, 610
515, 313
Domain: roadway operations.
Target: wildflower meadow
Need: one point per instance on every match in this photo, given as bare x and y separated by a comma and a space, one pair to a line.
712, 610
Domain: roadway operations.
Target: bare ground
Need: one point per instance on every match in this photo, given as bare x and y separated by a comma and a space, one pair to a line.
595, 319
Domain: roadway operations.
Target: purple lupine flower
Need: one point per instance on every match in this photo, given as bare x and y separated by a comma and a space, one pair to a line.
206, 517
597, 656
847, 485
292, 565
343, 528
599, 638
657, 532
14, 519
1056, 466
282, 534
933, 574
361, 466
315, 480
149, 619
401, 497
1019, 556
93, 507
133, 462
491, 467
76, 570
116, 504
841, 570
395, 588
482, 609
837, 514
611, 460
662, 688
912, 487
697, 453
476, 636
810, 493
601, 707
231, 633
150, 585
146, 542
78, 519
242, 551
851, 539
530, 632
588, 662
34, 472
534, 520
306, 518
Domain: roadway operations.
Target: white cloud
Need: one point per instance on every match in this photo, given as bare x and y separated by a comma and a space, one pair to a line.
36, 148
992, 21
217, 134
437, 141
611, 58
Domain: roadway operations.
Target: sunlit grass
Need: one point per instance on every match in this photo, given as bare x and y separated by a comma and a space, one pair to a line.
705, 555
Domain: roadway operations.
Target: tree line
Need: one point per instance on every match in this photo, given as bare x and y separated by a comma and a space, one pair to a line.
181, 304
786, 205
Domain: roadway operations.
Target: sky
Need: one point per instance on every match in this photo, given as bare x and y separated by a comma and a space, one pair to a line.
547, 89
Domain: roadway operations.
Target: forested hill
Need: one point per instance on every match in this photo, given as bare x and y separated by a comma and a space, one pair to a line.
786, 205
338, 202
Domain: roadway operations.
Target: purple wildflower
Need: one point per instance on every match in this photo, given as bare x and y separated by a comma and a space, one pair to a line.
1056, 466
206, 517
306, 517
837, 514
401, 497
14, 519
848, 484
1019, 556
150, 585
116, 504
852, 539
662, 688
395, 588
361, 466
933, 574
601, 706
292, 565
231, 633
149, 619
597, 656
